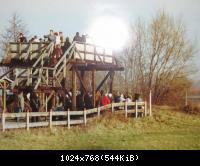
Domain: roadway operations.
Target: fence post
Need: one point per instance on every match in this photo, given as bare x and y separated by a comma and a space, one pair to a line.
27, 120
98, 111
126, 109
112, 107
3, 121
85, 120
150, 103
145, 108
50, 119
136, 109
68, 118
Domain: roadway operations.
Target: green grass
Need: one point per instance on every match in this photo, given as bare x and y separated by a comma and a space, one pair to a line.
167, 129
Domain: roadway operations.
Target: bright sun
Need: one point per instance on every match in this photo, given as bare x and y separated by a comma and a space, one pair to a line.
109, 32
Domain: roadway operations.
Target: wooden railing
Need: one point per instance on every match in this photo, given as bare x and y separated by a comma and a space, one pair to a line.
91, 52
67, 119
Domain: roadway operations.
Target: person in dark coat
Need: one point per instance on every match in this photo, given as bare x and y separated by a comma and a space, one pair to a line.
22, 38
80, 102
35, 104
67, 44
88, 101
77, 37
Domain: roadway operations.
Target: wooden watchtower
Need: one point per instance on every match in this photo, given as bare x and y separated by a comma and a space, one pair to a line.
29, 67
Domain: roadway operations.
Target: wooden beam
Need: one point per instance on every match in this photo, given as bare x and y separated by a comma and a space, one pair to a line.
7, 72
111, 81
102, 82
82, 88
49, 97
93, 87
4, 96
81, 81
73, 88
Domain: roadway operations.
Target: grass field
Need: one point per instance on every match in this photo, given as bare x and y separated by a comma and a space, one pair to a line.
167, 129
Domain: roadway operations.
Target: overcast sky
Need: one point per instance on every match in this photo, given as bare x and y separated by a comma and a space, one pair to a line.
70, 16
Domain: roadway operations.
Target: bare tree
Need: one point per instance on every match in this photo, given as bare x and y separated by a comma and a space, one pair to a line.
10, 34
16, 25
159, 55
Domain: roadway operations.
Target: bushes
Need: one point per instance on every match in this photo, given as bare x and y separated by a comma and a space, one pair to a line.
192, 109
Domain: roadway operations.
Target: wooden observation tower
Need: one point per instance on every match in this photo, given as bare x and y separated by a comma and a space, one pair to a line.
29, 67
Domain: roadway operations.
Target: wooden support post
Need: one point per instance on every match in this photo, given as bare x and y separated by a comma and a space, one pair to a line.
43, 99
3, 121
20, 50
31, 76
150, 103
31, 48
68, 118
98, 112
93, 87
126, 111
81, 83
111, 81
136, 109
16, 78
4, 96
54, 78
65, 73
145, 108
50, 119
73, 89
54, 100
85, 118
27, 120
28, 77
46, 104
47, 75
112, 107
186, 97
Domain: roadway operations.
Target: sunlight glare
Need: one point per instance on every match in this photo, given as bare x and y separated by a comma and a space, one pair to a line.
109, 32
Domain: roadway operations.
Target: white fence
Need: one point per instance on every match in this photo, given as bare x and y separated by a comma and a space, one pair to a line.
128, 107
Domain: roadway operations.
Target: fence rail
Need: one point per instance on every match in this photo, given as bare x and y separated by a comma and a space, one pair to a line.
79, 117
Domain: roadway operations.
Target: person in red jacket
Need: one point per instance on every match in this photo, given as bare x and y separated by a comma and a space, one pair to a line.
104, 99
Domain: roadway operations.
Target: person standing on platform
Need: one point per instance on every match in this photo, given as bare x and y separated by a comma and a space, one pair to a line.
77, 37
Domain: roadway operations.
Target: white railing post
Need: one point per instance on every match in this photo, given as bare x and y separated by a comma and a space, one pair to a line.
98, 111
136, 109
85, 120
126, 109
145, 108
3, 121
150, 103
50, 119
112, 107
68, 118
27, 120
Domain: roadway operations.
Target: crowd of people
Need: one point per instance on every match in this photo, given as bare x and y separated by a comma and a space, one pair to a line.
63, 102
60, 43
56, 37
85, 100
17, 102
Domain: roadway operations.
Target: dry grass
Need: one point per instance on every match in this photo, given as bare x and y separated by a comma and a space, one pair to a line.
167, 129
